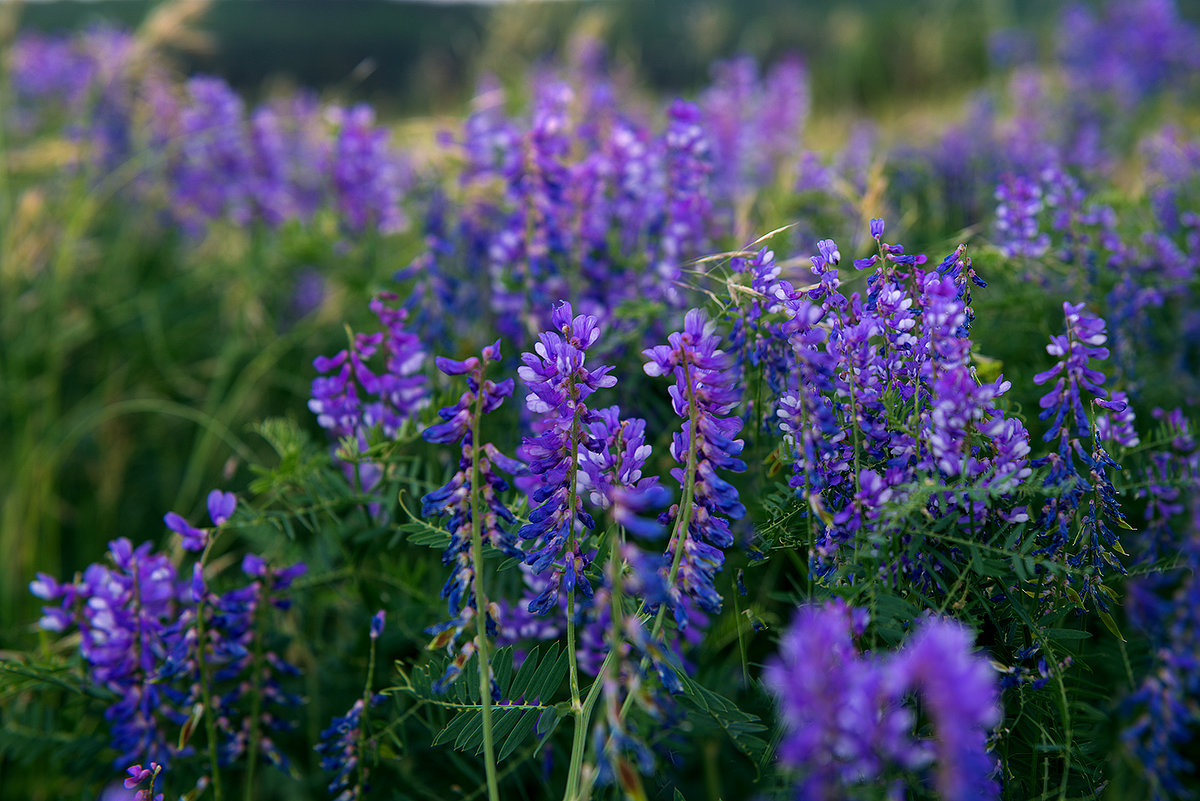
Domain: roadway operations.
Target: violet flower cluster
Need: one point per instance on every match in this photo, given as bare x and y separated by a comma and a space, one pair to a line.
1163, 605
233, 628
756, 124
220, 161
342, 742
82, 80
1031, 206
703, 394
453, 501
140, 624
278, 163
351, 397
848, 720
123, 613
1129, 51
688, 207
1088, 483
880, 395
559, 382
612, 480
1163, 704
339, 750
581, 199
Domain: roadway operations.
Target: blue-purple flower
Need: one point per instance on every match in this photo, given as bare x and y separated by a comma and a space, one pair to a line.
560, 381
453, 501
848, 725
703, 393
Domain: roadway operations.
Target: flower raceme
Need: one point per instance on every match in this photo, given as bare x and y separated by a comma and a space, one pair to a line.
559, 382
140, 621
704, 395
1094, 544
882, 395
346, 738
1063, 404
351, 396
455, 500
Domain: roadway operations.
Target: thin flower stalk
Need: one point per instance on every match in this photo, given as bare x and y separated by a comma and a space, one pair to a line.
471, 500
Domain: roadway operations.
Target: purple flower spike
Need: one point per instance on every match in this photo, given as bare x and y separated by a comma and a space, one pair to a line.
559, 381
960, 692
138, 625
221, 506
846, 715
703, 394
353, 396
1083, 341
453, 501
1018, 233
339, 749
368, 177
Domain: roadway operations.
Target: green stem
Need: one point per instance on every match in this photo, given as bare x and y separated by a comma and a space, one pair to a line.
689, 490
572, 494
485, 687
363, 726
255, 702
578, 746
210, 722
685, 514
580, 741
580, 738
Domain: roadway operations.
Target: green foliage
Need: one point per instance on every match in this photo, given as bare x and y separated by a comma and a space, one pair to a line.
523, 707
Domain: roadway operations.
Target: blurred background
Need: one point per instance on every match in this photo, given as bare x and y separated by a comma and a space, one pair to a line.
423, 57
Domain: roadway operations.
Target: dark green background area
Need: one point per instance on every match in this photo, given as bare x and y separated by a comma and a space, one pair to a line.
425, 56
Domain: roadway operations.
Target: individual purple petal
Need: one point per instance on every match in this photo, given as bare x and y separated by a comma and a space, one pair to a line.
194, 539
221, 506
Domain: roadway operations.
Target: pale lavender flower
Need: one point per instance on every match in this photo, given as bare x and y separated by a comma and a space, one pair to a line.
368, 177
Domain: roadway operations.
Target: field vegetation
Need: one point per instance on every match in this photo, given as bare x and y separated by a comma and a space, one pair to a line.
808, 416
